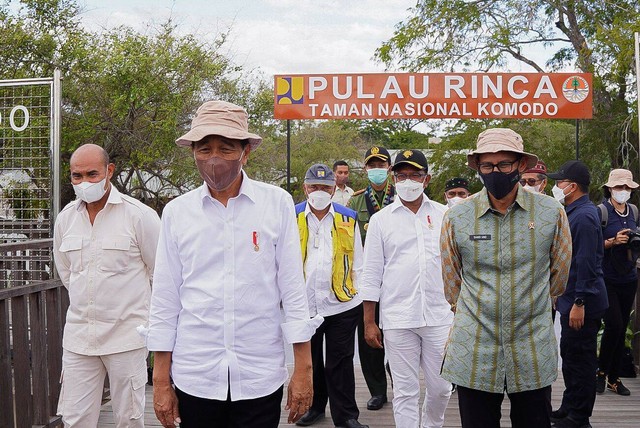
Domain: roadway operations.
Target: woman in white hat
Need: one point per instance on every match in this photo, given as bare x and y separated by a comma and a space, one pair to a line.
619, 217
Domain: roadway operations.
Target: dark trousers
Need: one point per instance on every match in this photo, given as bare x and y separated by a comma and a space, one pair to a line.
579, 364
372, 361
481, 409
616, 320
333, 377
196, 412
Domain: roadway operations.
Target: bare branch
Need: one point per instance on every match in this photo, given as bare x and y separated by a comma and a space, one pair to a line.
520, 57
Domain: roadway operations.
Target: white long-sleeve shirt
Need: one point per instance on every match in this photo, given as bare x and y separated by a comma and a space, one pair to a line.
402, 268
318, 267
221, 273
107, 268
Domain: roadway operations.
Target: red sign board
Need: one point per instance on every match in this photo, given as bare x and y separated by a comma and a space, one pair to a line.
433, 95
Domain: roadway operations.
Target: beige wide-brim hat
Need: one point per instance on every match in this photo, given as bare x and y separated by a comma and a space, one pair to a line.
220, 118
621, 177
500, 140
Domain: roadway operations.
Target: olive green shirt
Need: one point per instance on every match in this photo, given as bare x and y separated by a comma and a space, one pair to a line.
500, 273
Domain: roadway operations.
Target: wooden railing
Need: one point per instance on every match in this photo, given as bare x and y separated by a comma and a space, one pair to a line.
32, 315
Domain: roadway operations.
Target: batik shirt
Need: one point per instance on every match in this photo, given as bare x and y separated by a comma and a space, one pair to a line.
500, 273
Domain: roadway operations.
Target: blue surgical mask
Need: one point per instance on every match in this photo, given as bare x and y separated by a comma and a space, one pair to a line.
377, 175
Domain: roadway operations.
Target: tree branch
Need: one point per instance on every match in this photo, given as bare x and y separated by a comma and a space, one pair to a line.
520, 57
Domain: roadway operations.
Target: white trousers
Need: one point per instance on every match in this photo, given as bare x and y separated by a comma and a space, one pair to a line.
82, 384
408, 350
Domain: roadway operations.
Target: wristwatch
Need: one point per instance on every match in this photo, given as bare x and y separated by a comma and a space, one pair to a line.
579, 302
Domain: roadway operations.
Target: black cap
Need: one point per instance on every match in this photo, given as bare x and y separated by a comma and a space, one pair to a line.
573, 170
377, 152
411, 157
456, 182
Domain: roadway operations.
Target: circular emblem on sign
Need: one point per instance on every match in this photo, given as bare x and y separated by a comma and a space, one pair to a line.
575, 89
375, 150
407, 154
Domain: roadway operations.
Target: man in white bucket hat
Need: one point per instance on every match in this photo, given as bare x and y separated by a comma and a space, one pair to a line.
228, 254
506, 253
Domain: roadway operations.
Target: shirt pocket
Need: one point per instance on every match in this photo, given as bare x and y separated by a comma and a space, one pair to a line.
344, 234
115, 254
71, 247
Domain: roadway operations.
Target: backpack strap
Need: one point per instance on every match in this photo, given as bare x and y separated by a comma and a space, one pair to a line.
635, 213
604, 214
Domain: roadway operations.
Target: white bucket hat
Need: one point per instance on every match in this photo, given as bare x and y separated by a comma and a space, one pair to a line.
220, 118
621, 177
500, 140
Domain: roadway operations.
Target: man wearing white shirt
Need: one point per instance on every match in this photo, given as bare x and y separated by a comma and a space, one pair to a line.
104, 246
343, 192
402, 272
332, 255
228, 256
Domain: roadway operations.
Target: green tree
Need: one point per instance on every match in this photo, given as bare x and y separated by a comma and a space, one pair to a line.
311, 142
129, 91
593, 36
133, 95
551, 141
38, 36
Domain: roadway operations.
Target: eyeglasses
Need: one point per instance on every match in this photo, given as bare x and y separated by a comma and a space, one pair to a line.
414, 176
530, 181
503, 166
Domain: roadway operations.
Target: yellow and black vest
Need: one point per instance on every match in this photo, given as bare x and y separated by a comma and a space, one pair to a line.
342, 237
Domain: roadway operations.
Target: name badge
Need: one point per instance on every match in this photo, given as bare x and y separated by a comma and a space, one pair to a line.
480, 237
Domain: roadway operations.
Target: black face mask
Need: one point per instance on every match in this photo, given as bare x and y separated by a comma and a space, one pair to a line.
499, 184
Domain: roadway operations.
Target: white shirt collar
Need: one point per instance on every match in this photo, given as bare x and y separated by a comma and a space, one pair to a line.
307, 210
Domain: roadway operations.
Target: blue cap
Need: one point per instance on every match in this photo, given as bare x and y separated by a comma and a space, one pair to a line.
320, 174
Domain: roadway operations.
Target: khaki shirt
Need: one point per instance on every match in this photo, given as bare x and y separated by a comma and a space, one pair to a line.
342, 196
107, 268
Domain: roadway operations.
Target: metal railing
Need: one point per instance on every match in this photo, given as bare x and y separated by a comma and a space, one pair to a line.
32, 316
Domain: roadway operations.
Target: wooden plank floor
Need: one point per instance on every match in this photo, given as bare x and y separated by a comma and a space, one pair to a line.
611, 410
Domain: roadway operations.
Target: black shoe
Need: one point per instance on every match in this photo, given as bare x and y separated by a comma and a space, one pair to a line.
570, 423
601, 382
618, 387
559, 414
311, 417
352, 423
376, 402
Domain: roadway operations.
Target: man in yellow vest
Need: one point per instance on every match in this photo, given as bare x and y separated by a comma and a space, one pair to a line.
332, 257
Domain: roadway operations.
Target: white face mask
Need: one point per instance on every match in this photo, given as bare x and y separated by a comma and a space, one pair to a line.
621, 196
409, 190
558, 193
90, 192
535, 189
454, 201
319, 199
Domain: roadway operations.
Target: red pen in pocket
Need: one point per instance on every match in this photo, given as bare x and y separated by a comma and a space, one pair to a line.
256, 245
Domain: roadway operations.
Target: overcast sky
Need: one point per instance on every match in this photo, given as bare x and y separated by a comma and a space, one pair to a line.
276, 36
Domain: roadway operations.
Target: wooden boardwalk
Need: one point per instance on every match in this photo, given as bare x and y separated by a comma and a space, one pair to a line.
611, 410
